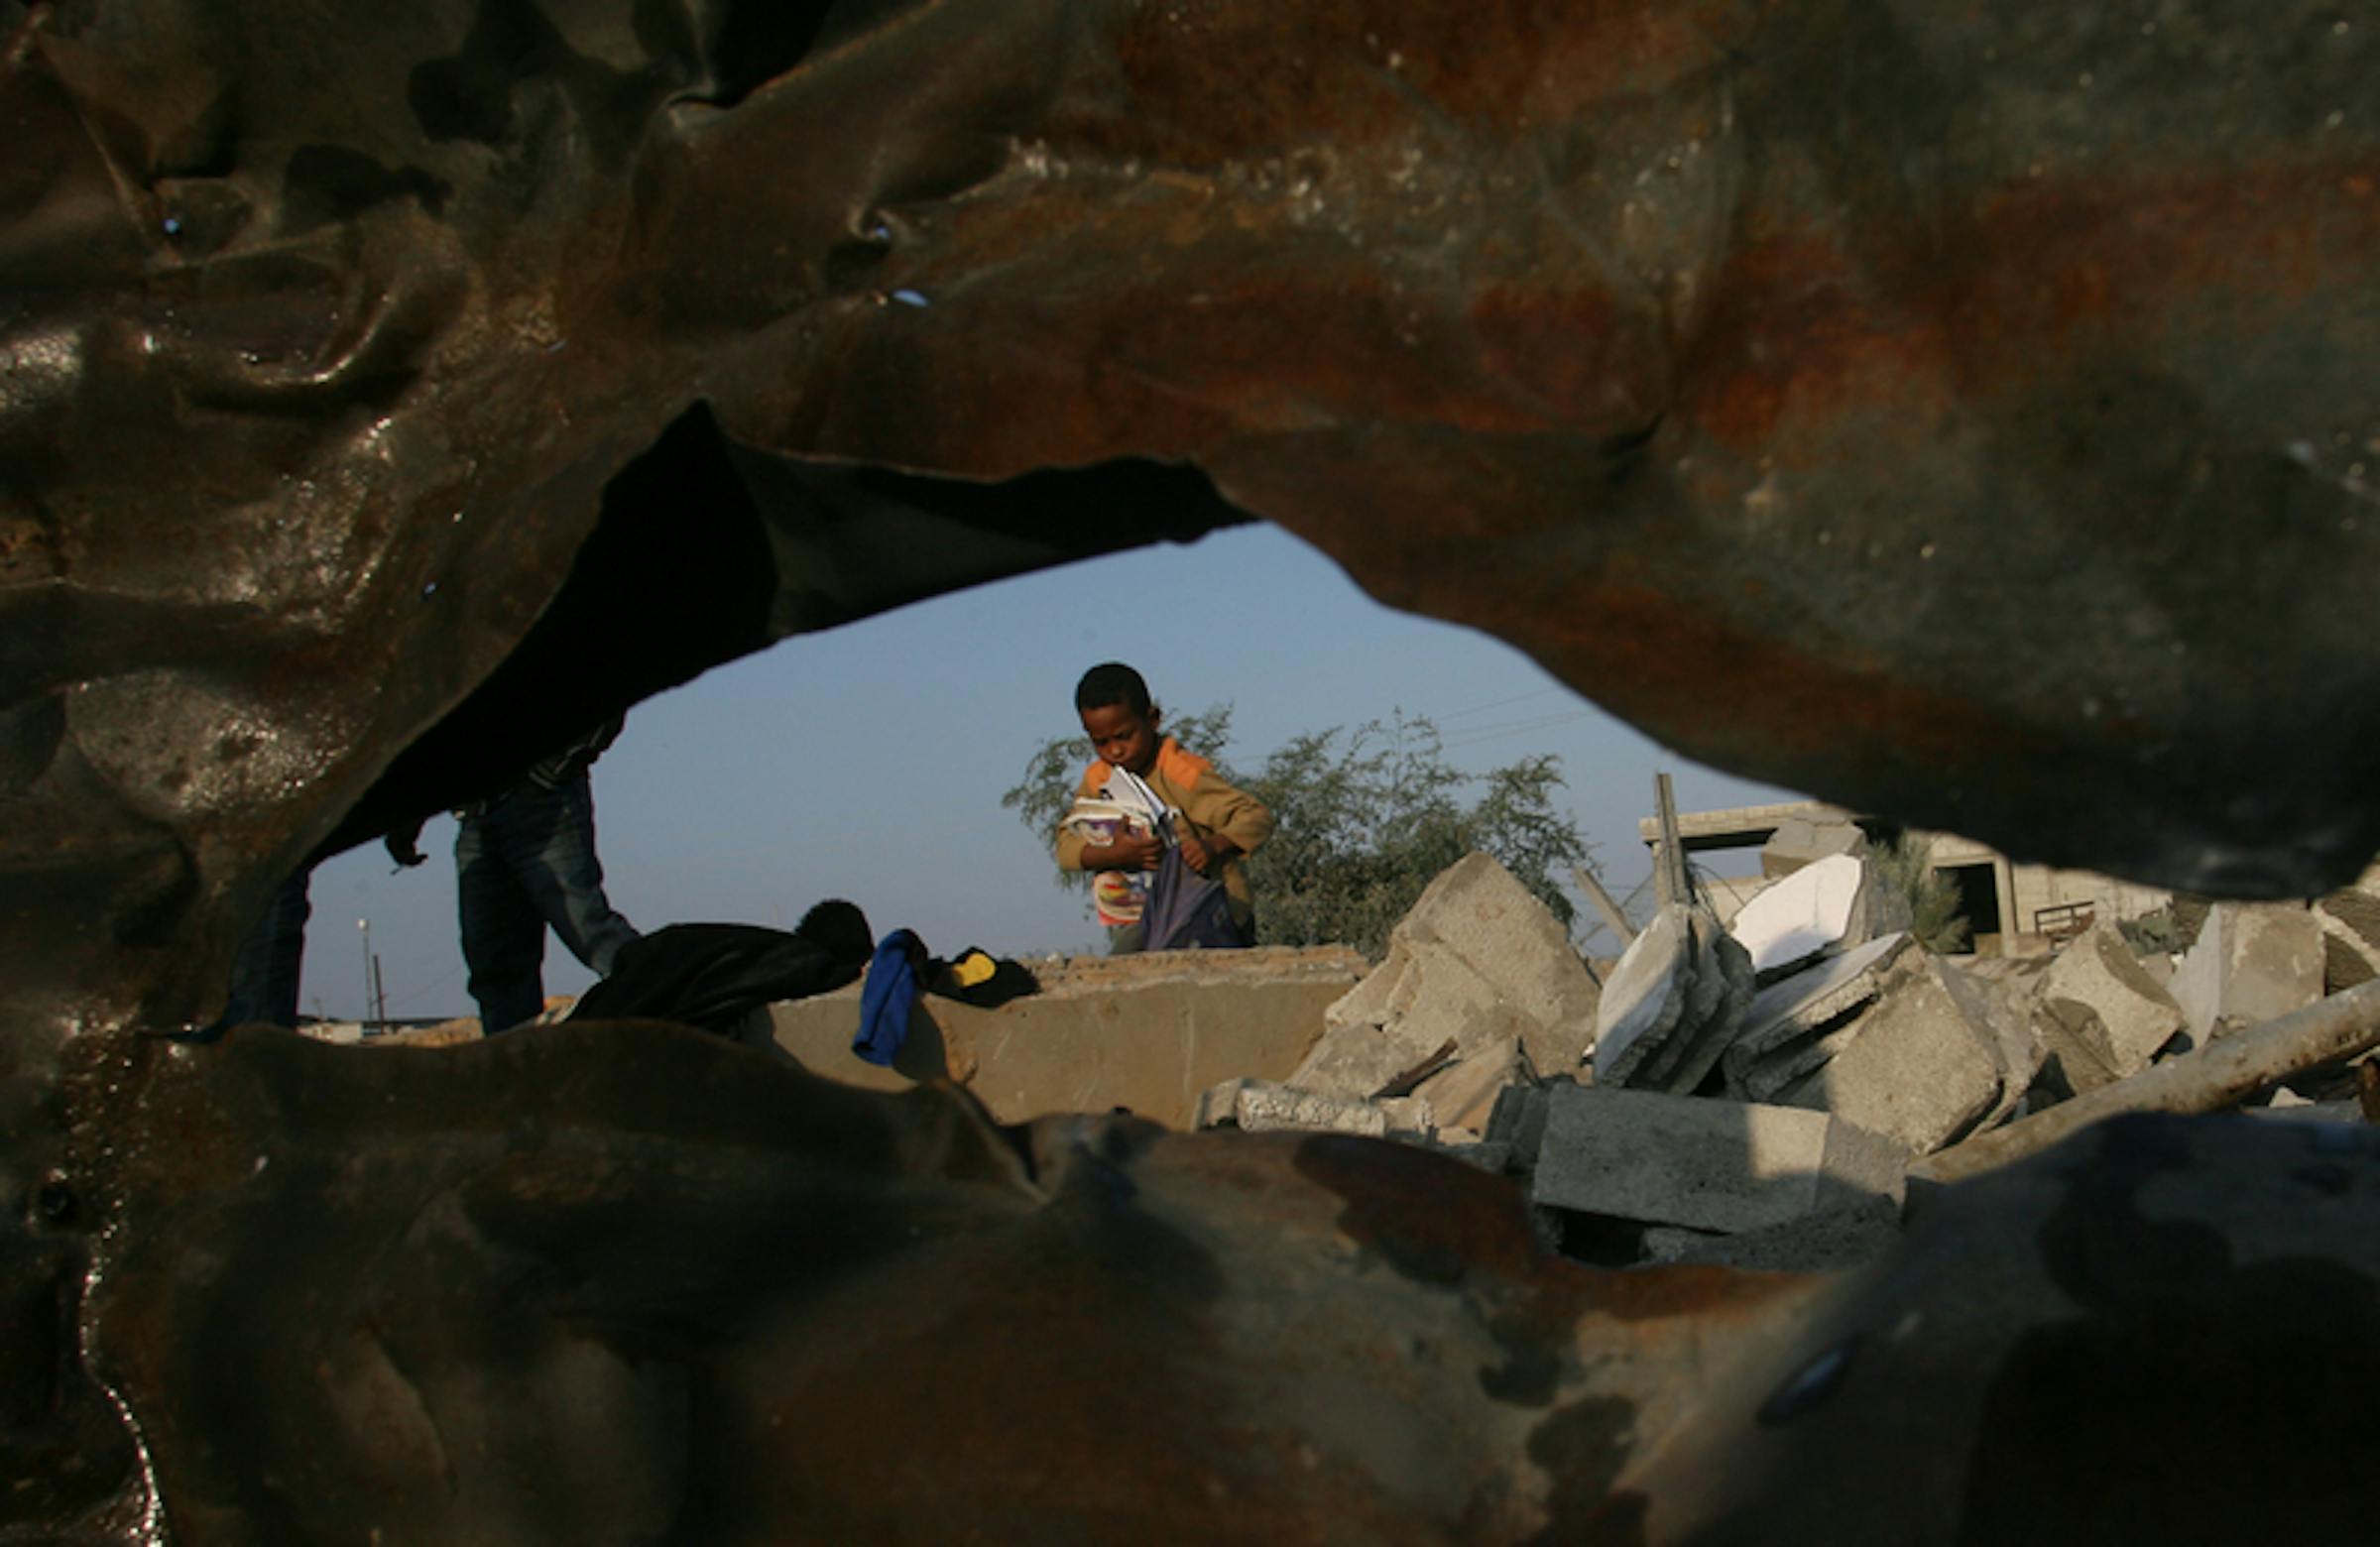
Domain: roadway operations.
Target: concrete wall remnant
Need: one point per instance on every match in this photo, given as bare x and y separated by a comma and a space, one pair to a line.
1148, 1032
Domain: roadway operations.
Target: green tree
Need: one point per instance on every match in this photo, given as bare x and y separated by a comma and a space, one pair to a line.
1904, 866
1364, 821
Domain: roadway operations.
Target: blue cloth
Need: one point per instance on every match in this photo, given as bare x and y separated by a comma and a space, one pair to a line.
887, 997
522, 863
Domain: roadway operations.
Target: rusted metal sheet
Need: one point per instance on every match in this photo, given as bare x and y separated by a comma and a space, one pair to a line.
630, 1283
1959, 413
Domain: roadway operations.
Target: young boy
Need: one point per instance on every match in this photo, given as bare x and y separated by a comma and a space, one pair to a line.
1137, 766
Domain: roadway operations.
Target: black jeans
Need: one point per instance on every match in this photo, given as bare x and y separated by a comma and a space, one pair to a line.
523, 862
264, 976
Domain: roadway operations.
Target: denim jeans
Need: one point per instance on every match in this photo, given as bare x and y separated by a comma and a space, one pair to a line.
264, 976
523, 862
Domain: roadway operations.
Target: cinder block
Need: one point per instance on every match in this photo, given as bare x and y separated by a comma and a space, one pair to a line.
1711, 1164
1518, 1121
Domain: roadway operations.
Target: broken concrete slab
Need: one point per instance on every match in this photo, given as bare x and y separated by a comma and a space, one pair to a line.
1712, 1164
1477, 960
2350, 926
1436, 998
1787, 1017
1480, 911
1719, 992
2252, 962
1923, 1068
1261, 1106
1801, 915
2104, 1013
1645, 995
1821, 1243
1989, 1003
1464, 1094
1801, 840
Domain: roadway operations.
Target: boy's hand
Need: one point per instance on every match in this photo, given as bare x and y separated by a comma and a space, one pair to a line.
1201, 852
1136, 851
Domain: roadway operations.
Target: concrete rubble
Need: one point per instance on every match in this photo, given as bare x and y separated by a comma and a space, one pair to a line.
1786, 1027
1936, 1058
1674, 1003
2100, 1014
1751, 1096
2252, 962
1802, 840
2349, 919
1481, 988
1773, 1129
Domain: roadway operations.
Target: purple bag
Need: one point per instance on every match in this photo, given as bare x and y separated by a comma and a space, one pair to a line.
1186, 911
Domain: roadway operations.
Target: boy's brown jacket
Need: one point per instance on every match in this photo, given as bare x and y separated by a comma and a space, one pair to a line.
1189, 784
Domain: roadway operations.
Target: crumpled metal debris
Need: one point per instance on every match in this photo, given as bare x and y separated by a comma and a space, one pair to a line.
1961, 413
628, 1283
1963, 416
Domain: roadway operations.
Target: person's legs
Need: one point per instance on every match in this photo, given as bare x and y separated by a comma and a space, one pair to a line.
1126, 939
504, 935
556, 867
264, 976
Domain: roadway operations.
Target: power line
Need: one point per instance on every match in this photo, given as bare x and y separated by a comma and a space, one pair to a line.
1515, 728
1518, 699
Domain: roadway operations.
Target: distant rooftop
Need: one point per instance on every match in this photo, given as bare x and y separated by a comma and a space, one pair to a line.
1742, 827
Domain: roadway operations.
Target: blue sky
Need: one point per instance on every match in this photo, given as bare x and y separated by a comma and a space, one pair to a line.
868, 762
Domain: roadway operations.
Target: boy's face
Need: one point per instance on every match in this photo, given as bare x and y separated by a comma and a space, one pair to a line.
1121, 737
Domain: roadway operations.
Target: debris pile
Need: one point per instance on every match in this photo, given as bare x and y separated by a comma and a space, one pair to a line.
1759, 1093
1480, 988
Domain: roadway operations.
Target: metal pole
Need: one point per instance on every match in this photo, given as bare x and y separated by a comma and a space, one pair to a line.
2206, 1079
1675, 885
1594, 887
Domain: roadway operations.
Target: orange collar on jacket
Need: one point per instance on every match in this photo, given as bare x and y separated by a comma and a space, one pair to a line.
1182, 769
